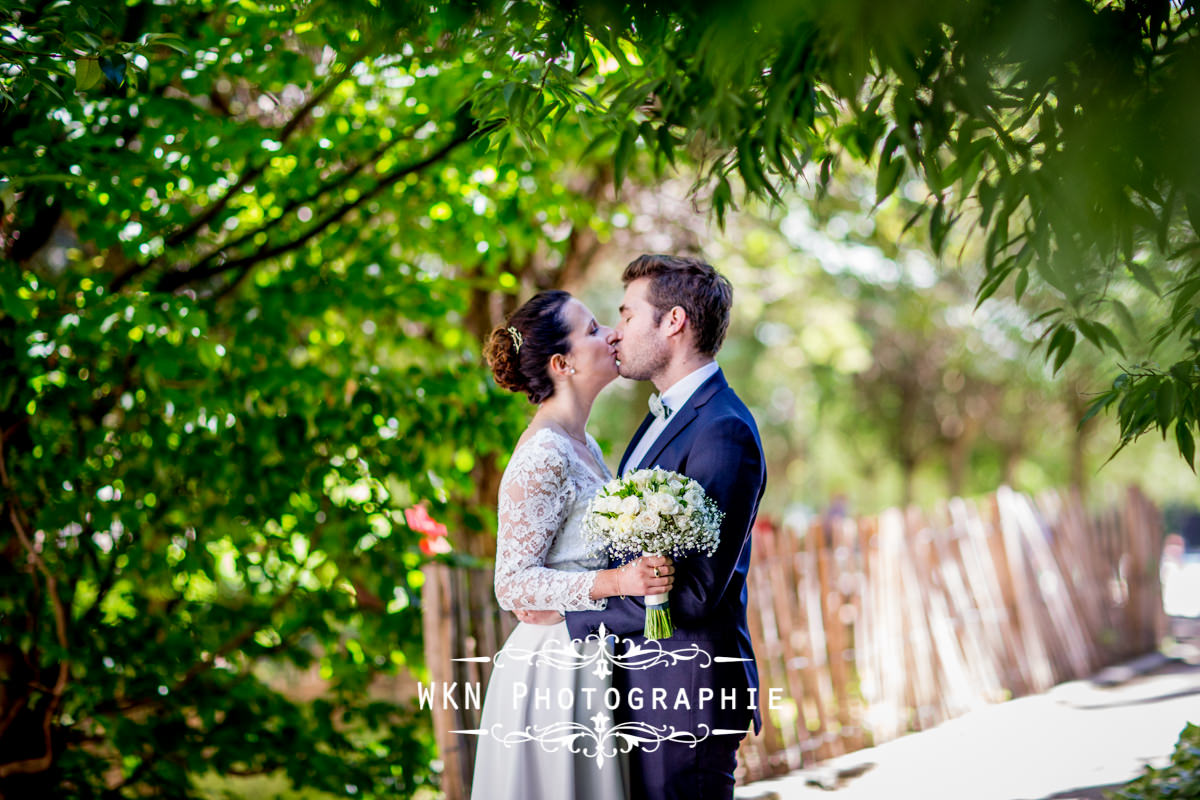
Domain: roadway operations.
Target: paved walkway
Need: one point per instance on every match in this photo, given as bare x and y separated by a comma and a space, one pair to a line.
1070, 743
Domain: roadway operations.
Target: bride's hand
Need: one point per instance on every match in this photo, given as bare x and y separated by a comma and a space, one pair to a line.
646, 575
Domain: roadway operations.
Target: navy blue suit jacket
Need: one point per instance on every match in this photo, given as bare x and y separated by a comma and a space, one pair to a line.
714, 440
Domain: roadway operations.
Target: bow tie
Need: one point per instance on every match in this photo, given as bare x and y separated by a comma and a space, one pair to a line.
659, 409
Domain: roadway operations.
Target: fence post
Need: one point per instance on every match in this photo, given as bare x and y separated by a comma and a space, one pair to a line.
437, 617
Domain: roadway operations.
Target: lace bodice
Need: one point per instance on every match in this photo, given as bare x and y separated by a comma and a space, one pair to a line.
541, 559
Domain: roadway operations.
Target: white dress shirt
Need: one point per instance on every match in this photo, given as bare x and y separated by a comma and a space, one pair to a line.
674, 398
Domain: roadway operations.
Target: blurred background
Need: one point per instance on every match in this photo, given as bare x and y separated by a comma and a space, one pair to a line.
250, 450
874, 378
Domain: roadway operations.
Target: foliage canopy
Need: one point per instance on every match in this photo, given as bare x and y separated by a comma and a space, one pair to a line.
1061, 129
245, 245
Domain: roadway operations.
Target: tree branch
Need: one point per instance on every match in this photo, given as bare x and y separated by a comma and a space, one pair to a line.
13, 429
173, 281
285, 133
42, 762
236, 642
341, 180
12, 713
248, 174
202, 665
230, 287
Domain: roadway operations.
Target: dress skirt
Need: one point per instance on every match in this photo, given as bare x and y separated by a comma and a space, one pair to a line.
544, 721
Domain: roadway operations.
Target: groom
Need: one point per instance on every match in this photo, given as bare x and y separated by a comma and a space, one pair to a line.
673, 320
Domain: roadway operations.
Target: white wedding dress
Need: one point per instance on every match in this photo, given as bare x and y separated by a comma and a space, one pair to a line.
536, 709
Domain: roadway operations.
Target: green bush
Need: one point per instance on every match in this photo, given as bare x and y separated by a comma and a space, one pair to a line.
1179, 780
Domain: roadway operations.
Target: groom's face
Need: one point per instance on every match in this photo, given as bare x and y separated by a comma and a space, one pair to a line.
641, 345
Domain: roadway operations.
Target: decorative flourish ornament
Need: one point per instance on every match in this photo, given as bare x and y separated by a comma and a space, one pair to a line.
602, 740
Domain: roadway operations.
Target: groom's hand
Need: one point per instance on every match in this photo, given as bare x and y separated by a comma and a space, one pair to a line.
539, 617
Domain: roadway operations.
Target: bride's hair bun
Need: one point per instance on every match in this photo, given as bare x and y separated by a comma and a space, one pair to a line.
502, 357
519, 351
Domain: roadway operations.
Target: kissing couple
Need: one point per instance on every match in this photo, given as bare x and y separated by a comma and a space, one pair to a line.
682, 736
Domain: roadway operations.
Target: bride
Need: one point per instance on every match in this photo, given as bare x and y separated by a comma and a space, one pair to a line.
554, 351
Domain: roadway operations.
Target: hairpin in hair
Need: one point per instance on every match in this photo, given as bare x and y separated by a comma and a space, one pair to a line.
516, 337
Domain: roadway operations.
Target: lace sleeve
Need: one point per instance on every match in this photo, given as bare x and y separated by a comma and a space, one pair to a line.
535, 498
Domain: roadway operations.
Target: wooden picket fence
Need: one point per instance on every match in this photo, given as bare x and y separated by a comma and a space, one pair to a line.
877, 626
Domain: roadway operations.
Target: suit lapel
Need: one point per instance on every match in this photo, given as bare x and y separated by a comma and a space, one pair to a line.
683, 417
637, 437
679, 420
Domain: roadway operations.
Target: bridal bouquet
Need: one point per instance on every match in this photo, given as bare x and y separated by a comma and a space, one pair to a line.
653, 512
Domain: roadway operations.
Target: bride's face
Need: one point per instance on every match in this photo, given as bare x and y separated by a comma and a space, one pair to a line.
592, 356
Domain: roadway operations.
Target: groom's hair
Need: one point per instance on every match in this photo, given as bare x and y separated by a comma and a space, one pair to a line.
704, 294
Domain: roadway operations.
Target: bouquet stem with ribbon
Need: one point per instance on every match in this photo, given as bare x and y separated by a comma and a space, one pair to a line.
658, 614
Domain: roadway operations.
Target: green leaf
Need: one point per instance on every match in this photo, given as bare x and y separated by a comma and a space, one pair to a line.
1183, 297
1187, 444
991, 283
623, 154
1108, 336
1103, 402
722, 199
938, 227
1143, 276
595, 143
1062, 342
172, 40
1164, 400
748, 167
666, 143
1046, 315
1049, 272
1126, 316
914, 219
1090, 332
890, 168
1192, 203
87, 73
887, 177
987, 194
1021, 282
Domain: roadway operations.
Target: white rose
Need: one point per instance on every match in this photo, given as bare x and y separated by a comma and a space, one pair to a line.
624, 524
675, 485
662, 503
646, 522
631, 505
